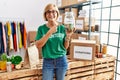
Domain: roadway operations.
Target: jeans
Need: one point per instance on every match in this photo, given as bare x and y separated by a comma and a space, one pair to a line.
54, 67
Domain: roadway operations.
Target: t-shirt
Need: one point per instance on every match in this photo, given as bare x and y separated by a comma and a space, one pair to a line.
54, 46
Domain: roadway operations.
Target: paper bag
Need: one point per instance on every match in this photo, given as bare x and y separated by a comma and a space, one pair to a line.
33, 56
26, 63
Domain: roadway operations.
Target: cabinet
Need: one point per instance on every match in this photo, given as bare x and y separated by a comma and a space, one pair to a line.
79, 6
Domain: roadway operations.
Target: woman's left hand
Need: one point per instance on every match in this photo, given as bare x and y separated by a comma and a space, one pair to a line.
69, 33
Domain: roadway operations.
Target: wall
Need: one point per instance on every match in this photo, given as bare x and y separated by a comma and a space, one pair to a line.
30, 11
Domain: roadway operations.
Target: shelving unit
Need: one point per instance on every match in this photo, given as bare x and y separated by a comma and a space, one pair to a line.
79, 6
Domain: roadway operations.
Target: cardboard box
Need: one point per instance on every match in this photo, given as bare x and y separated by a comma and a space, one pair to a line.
87, 21
74, 10
79, 23
96, 38
75, 1
31, 36
84, 36
65, 3
82, 0
70, 2
82, 49
79, 36
93, 36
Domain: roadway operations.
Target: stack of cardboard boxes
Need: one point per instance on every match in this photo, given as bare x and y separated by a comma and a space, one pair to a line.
62, 3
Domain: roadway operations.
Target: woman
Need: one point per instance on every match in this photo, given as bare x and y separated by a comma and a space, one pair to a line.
54, 41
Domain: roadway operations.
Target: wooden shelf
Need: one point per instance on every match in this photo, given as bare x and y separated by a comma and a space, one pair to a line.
77, 70
20, 74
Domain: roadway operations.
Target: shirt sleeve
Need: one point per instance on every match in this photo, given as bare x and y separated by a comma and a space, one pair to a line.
64, 31
38, 34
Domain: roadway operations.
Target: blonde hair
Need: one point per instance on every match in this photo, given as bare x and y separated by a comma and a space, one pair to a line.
48, 7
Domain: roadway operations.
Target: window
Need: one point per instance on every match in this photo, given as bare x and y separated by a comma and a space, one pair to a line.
115, 13
114, 26
107, 15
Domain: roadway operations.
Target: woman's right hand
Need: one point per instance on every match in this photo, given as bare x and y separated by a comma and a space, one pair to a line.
53, 29
53, 26
40, 43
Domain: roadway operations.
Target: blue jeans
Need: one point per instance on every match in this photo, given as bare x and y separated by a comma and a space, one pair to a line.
54, 67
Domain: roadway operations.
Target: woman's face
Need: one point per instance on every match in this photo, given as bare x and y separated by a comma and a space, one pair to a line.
51, 14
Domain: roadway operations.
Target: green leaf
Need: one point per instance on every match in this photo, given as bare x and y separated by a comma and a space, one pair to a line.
4, 57
16, 60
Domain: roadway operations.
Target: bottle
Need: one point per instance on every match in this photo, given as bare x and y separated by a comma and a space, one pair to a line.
97, 48
3, 65
69, 21
104, 50
9, 68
